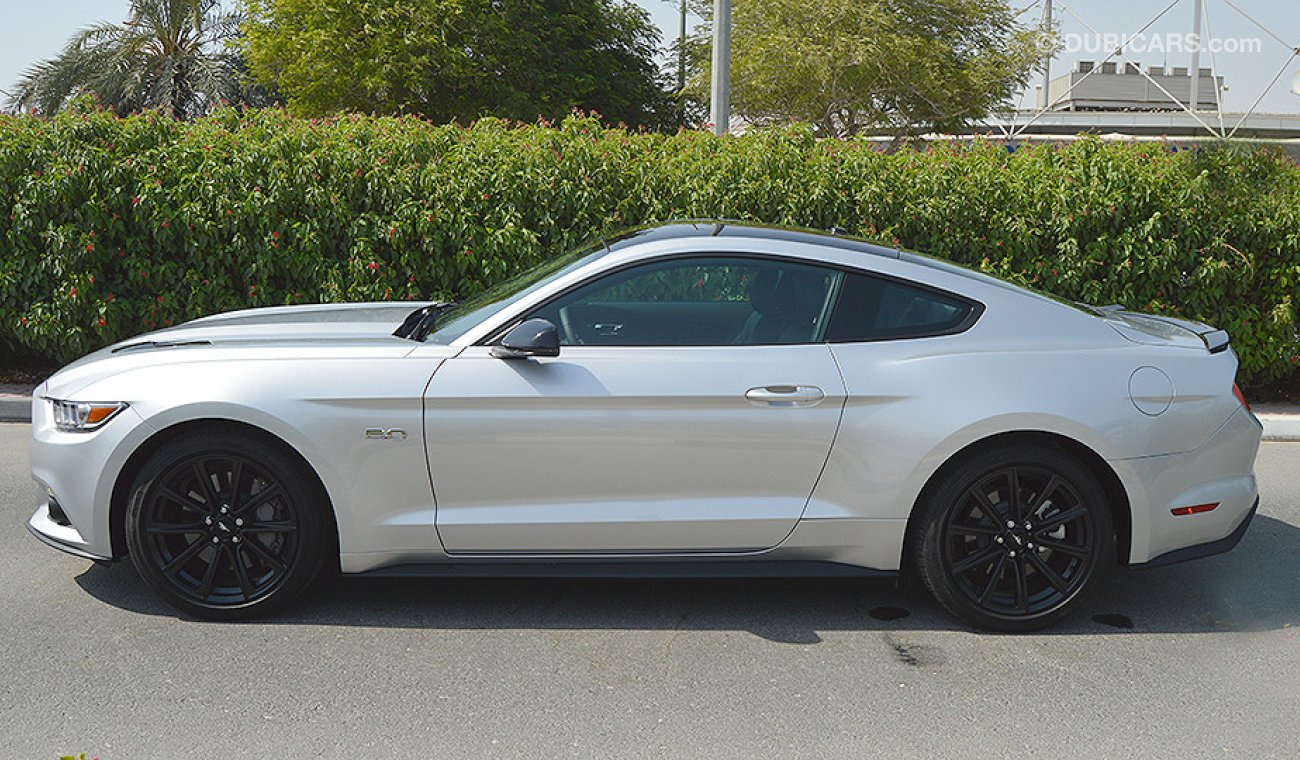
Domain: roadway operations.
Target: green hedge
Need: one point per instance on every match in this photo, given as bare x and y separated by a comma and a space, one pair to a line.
114, 225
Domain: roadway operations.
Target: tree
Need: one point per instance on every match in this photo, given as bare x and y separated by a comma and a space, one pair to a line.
168, 54
460, 59
898, 66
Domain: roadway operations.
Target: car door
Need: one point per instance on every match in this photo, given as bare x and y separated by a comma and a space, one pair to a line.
691, 409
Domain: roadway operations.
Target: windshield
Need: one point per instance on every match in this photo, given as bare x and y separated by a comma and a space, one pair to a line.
457, 320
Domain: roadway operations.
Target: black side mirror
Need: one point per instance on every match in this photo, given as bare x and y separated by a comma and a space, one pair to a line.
534, 337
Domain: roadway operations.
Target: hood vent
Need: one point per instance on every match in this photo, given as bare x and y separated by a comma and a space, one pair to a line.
151, 344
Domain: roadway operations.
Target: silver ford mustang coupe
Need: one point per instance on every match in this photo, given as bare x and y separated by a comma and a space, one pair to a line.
695, 398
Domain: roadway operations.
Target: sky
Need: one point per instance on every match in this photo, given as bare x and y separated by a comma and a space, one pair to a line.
1248, 56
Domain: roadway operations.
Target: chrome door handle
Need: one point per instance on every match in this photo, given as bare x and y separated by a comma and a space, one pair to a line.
785, 395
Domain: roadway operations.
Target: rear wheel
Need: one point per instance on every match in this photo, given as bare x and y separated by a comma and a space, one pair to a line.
1015, 538
226, 527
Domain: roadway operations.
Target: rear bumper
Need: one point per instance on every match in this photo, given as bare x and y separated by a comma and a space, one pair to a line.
1220, 471
1207, 549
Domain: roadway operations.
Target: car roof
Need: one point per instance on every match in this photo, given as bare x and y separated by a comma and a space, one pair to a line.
721, 228
727, 229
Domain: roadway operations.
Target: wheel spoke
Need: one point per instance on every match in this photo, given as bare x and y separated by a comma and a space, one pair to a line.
1053, 578
232, 486
972, 530
186, 555
975, 559
994, 577
267, 557
1060, 518
985, 506
258, 500
209, 577
1014, 503
1041, 497
241, 572
1022, 586
205, 483
1081, 552
170, 530
271, 527
183, 500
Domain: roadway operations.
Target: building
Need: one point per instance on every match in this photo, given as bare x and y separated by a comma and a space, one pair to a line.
1122, 87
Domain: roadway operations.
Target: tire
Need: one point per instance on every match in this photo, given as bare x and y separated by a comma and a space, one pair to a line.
1019, 564
226, 526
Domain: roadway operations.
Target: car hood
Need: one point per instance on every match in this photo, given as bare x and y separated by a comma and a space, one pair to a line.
283, 324
363, 329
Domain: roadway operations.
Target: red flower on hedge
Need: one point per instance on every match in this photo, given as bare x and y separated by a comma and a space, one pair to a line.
373, 265
100, 322
275, 235
135, 200
164, 224
90, 246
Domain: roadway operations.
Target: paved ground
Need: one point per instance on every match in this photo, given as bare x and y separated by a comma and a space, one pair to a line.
388, 668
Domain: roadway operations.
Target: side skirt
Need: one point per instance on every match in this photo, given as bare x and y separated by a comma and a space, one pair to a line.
606, 569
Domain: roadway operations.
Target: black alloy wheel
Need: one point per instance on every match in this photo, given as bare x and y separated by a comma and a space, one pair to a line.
1014, 539
225, 528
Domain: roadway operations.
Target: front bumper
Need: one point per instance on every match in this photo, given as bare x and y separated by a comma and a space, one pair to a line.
80, 470
62, 537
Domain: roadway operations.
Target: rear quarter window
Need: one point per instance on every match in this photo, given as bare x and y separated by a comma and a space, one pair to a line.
874, 308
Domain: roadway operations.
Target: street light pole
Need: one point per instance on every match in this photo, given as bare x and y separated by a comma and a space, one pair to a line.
1195, 99
681, 67
720, 101
1047, 58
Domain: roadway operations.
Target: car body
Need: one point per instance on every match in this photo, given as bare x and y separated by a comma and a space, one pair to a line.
695, 397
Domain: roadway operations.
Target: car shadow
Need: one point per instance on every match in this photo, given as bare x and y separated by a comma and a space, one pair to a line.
1251, 588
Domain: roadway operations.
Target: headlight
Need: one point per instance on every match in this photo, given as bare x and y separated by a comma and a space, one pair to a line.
82, 416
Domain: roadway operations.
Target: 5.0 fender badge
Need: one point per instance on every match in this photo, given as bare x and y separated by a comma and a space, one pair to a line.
385, 434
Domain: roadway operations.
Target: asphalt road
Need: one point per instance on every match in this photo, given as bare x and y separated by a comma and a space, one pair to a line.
1210, 666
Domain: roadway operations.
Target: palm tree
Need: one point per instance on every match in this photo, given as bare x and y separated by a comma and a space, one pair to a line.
170, 54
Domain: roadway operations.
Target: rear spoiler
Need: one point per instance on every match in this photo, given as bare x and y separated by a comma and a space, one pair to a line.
1215, 340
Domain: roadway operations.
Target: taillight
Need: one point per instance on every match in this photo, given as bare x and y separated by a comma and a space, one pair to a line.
1237, 392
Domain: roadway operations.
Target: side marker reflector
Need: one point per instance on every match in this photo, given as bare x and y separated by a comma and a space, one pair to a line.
1195, 510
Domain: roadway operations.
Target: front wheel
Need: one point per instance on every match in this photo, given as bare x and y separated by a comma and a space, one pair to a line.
226, 527
1015, 538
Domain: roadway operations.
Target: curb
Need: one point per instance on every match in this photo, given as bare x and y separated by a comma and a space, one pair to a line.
1278, 426
15, 408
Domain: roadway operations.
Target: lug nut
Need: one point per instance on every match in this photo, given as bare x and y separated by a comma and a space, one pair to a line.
239, 521
998, 539
235, 540
1011, 553
1011, 523
1029, 546
224, 509
207, 520
216, 540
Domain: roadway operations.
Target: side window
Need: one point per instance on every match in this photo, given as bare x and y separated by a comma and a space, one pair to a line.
872, 308
714, 301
